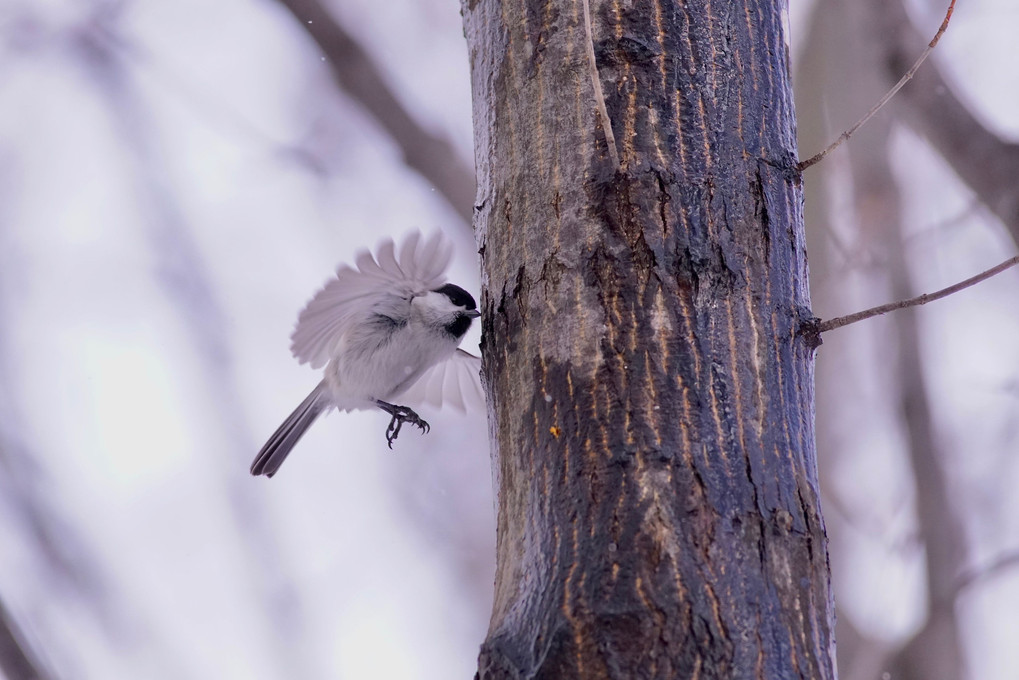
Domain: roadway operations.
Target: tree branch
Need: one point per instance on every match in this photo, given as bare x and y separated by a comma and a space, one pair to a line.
354, 71
16, 660
817, 158
985, 162
974, 575
840, 321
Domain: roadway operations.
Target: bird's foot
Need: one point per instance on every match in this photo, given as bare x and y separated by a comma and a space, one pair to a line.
401, 415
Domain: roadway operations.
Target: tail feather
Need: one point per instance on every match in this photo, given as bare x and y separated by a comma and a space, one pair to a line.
275, 451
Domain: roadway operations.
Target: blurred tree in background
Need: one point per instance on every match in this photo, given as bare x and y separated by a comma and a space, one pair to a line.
867, 244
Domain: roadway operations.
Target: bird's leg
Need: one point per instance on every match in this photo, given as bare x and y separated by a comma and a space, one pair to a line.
401, 415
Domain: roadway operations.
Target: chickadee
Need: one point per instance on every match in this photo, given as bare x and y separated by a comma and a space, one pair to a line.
388, 330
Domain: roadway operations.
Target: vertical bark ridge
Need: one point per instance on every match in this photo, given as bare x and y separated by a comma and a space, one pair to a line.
650, 400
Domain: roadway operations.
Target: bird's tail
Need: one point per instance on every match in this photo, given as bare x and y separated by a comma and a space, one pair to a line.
275, 451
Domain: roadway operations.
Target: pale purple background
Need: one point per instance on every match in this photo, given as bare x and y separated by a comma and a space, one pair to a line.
171, 193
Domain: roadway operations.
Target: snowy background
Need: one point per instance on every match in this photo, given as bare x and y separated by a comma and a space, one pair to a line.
176, 180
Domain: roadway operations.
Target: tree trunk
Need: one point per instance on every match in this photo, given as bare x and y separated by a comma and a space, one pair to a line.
651, 401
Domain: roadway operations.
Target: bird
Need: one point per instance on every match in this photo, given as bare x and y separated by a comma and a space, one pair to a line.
387, 330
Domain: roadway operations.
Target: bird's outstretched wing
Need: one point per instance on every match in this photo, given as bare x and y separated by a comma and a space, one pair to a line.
418, 267
454, 382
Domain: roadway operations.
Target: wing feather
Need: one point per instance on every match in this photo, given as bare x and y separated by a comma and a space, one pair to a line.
455, 382
408, 249
388, 264
350, 296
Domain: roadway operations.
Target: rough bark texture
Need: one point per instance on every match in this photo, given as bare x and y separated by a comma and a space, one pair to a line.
651, 401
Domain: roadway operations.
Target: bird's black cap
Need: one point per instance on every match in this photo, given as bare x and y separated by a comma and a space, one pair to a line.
457, 295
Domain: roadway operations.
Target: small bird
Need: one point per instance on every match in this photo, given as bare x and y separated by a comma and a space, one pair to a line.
386, 331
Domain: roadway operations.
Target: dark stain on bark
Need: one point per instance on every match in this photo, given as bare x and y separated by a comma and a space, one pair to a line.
542, 18
761, 212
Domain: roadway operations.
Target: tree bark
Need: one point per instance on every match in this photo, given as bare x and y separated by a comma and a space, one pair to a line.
651, 402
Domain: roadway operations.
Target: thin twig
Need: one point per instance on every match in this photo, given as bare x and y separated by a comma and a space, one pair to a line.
803, 165
606, 124
839, 322
933, 108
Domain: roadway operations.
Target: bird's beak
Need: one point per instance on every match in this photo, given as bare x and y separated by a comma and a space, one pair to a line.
473, 313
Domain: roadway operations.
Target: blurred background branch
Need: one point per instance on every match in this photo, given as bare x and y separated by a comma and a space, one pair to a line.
855, 211
985, 161
356, 73
16, 660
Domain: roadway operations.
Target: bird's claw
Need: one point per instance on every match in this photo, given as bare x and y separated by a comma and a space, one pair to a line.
401, 415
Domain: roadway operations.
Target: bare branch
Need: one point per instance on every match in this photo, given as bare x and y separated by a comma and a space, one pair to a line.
816, 158
840, 321
599, 96
976, 574
16, 660
356, 73
985, 161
